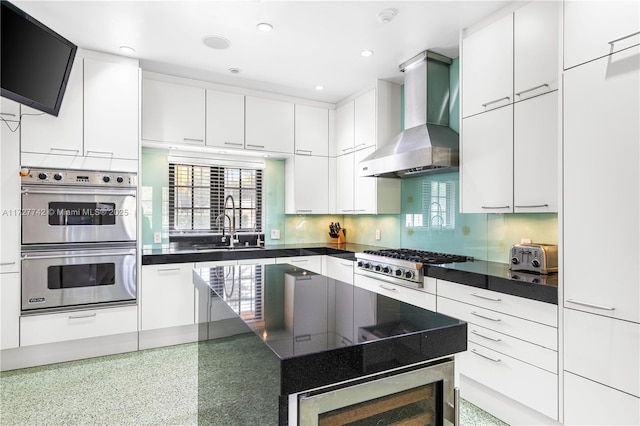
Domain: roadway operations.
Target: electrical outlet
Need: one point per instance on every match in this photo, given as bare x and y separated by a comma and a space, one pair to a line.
275, 234
377, 234
525, 240
157, 237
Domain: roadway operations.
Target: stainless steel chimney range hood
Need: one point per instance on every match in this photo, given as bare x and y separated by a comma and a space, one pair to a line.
428, 145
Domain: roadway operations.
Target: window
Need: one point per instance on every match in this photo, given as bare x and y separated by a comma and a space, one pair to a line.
439, 204
198, 198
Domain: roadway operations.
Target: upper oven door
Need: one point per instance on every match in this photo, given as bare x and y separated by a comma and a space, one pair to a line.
77, 215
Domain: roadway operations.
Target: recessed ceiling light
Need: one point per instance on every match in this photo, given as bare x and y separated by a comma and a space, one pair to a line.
366, 53
216, 42
127, 50
263, 26
319, 87
234, 70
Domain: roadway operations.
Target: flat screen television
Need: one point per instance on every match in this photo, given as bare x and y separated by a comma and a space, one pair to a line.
35, 62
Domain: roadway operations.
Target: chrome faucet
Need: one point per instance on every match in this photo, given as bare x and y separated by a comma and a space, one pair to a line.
232, 220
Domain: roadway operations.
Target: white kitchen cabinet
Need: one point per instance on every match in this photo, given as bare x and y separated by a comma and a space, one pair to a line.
536, 42
602, 186
589, 403
374, 195
593, 29
345, 174
166, 296
338, 269
62, 135
311, 130
364, 130
10, 203
64, 326
535, 154
269, 125
602, 349
172, 113
310, 263
487, 67
345, 128
111, 105
412, 296
9, 110
486, 174
9, 310
307, 185
225, 119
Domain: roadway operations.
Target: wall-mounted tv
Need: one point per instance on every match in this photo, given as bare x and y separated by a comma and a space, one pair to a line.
35, 62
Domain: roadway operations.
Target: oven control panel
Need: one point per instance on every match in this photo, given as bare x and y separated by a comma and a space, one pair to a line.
78, 177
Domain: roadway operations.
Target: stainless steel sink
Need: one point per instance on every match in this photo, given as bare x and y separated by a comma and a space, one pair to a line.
209, 247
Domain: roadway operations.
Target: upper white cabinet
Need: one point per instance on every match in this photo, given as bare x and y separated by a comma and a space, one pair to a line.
311, 130
111, 109
307, 185
61, 135
487, 67
172, 113
10, 216
225, 119
536, 41
602, 186
345, 178
364, 131
593, 29
345, 128
374, 195
9, 110
269, 125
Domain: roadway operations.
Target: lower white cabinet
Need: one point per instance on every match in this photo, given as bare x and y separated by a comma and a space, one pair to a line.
167, 296
9, 310
338, 269
589, 403
412, 296
310, 263
63, 326
10, 204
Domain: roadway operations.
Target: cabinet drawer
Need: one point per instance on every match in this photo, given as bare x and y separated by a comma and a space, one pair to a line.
532, 310
603, 349
310, 263
398, 292
538, 356
59, 327
538, 334
590, 403
339, 269
529, 385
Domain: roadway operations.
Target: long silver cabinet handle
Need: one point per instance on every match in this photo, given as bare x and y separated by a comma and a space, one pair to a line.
495, 207
7, 263
347, 149
7, 113
255, 146
485, 317
387, 288
493, 339
168, 270
70, 192
65, 149
82, 316
304, 211
496, 101
456, 406
234, 143
304, 152
485, 356
623, 38
68, 256
101, 152
591, 305
532, 89
300, 261
348, 265
486, 297
192, 140
533, 206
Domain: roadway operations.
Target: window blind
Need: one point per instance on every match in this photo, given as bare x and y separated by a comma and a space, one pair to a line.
439, 204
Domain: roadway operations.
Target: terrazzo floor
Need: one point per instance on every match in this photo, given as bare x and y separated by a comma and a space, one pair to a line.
152, 387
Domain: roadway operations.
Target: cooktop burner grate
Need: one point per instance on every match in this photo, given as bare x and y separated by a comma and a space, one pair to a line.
419, 256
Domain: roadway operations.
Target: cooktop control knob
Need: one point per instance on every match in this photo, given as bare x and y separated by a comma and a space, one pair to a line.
57, 176
106, 179
408, 275
378, 268
42, 176
515, 260
360, 264
386, 269
398, 272
119, 179
367, 265
535, 263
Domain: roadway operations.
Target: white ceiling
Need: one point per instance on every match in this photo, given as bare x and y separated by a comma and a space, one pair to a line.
312, 43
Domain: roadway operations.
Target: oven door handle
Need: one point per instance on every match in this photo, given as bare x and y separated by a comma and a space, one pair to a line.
67, 256
71, 192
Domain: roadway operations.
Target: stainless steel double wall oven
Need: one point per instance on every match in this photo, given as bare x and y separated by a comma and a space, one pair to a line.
78, 239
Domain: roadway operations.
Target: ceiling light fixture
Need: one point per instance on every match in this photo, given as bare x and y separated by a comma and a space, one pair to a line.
127, 50
366, 53
387, 15
216, 42
263, 26
319, 87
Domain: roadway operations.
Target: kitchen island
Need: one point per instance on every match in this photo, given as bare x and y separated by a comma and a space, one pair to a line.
326, 337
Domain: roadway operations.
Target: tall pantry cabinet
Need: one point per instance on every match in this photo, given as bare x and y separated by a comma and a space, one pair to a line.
601, 212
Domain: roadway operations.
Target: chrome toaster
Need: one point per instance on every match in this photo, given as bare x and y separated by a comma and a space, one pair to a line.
540, 258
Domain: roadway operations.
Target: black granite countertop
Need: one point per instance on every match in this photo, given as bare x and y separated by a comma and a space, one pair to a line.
324, 331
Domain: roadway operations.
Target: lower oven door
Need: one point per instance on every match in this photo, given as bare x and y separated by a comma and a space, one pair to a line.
60, 279
423, 396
